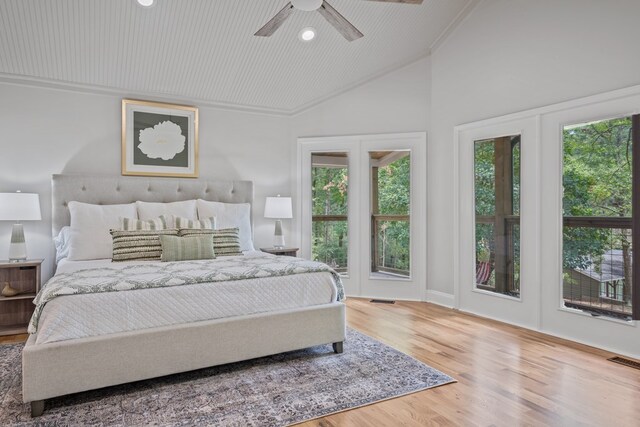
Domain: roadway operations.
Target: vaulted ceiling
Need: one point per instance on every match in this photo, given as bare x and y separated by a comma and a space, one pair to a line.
205, 49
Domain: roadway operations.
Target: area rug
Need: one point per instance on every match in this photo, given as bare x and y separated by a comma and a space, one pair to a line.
271, 391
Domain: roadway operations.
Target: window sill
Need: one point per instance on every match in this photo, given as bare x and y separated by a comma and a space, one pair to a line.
632, 323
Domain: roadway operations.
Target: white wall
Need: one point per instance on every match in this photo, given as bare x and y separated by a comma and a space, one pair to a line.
394, 103
48, 131
512, 55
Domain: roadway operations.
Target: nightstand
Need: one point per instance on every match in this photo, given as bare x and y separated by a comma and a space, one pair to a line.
16, 311
281, 251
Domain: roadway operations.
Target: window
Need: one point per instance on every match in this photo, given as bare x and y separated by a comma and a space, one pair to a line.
390, 213
598, 217
329, 176
497, 214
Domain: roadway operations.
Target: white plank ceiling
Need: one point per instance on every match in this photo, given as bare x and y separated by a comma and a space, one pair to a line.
205, 49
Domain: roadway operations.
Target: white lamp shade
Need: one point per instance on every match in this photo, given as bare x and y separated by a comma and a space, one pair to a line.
278, 207
19, 207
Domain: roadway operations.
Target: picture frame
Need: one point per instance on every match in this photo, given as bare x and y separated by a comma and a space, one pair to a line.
159, 139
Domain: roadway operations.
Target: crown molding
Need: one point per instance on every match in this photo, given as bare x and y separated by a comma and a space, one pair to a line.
21, 80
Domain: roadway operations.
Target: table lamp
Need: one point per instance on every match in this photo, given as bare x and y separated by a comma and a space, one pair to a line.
278, 208
19, 207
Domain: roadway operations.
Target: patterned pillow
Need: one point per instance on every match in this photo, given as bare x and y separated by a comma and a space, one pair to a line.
206, 223
176, 248
131, 224
226, 242
138, 245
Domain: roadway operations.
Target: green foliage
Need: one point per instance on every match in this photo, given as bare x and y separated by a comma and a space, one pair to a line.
597, 182
485, 174
329, 197
330, 193
394, 198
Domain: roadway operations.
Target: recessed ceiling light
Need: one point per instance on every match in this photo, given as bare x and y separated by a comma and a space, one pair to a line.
307, 34
145, 3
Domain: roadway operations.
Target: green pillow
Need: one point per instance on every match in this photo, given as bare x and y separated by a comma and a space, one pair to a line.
226, 242
176, 248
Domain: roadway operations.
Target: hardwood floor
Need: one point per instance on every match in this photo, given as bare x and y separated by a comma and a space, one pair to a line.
507, 376
9, 339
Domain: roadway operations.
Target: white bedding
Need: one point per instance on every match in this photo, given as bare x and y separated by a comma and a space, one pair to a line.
78, 316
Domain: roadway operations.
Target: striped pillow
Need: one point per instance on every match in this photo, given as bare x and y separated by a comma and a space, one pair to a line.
206, 223
138, 245
132, 224
176, 248
226, 242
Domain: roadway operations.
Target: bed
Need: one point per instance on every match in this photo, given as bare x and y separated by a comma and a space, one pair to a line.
90, 341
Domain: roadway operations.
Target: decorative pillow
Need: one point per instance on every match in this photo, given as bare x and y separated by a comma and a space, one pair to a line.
209, 223
131, 224
230, 215
226, 242
138, 245
185, 209
90, 225
187, 248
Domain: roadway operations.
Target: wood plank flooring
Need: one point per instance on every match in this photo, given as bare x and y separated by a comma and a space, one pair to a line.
8, 339
507, 376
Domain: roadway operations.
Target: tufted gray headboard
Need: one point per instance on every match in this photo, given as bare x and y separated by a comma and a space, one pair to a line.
109, 190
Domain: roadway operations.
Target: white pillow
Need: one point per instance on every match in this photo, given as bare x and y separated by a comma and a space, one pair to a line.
61, 242
230, 215
186, 209
90, 225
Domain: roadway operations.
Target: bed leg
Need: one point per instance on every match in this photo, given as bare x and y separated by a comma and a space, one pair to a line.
37, 408
337, 347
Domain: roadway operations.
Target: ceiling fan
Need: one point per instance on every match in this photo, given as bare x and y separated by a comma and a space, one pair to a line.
334, 17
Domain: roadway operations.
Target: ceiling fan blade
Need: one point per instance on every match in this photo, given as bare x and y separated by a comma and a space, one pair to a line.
274, 23
339, 22
400, 1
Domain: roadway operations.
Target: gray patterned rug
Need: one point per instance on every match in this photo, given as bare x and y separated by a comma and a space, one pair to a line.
270, 391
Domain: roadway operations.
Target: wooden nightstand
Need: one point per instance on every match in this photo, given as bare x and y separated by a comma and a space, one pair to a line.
281, 251
15, 312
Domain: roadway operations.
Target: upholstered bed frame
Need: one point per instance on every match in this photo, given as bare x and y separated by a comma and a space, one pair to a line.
59, 368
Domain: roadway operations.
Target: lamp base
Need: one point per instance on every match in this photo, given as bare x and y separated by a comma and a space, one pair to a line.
18, 247
278, 238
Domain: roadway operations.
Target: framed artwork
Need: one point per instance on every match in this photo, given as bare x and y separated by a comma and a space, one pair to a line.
159, 139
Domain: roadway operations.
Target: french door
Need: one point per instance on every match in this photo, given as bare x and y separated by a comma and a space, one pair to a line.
362, 206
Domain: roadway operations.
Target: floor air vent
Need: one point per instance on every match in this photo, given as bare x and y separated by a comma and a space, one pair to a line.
626, 362
382, 301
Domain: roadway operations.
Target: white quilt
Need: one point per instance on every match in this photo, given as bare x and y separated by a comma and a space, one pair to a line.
84, 315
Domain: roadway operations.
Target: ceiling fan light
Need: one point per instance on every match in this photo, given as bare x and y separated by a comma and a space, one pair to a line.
307, 34
146, 3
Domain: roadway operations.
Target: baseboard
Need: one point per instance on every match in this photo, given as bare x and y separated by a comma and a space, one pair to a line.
556, 334
589, 343
369, 296
440, 298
